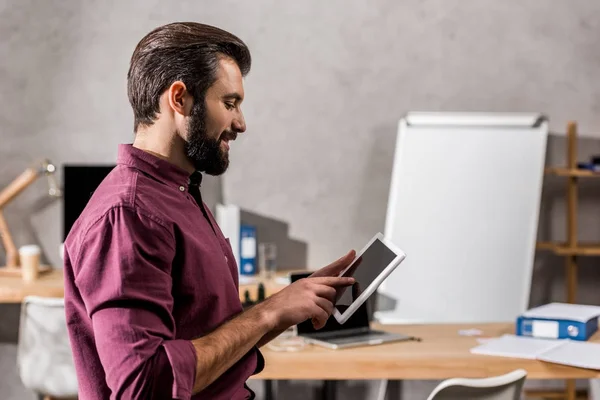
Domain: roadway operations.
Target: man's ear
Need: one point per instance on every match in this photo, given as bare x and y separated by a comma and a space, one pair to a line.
179, 98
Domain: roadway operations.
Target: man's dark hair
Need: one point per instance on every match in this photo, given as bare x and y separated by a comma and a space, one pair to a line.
185, 51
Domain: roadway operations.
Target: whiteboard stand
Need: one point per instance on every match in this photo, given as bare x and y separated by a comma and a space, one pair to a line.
464, 204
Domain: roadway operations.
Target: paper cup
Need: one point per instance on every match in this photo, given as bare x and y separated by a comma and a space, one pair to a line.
30, 262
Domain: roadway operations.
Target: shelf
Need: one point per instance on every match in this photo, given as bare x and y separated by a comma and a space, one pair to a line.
562, 249
572, 172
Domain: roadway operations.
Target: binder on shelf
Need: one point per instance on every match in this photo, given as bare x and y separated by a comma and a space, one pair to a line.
248, 251
559, 321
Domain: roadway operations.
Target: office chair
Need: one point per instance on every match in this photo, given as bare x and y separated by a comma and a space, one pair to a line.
44, 357
503, 387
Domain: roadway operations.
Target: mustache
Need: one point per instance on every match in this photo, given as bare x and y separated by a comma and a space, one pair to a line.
229, 135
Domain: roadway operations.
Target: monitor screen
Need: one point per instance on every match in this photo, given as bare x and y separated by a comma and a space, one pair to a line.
79, 182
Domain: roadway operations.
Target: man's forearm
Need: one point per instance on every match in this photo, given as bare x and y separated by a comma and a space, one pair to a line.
269, 335
219, 350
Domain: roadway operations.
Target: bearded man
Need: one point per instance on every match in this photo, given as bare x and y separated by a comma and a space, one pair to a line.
151, 283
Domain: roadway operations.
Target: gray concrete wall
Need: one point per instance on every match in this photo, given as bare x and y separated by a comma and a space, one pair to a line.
329, 82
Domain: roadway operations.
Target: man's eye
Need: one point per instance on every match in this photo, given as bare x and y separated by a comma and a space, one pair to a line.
230, 106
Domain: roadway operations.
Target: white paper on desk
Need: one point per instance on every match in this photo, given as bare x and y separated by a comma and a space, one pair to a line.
247, 280
563, 311
576, 354
516, 346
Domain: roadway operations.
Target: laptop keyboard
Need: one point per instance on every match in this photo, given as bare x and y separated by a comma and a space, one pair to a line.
361, 338
349, 334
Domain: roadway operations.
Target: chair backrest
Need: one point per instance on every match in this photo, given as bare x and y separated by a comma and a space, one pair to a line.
503, 387
44, 356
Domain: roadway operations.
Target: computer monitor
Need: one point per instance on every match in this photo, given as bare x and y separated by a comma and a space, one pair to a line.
79, 183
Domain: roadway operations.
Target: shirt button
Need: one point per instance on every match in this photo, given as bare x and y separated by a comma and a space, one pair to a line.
181, 188
226, 259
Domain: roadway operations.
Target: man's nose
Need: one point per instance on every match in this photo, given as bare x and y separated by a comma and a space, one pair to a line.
239, 124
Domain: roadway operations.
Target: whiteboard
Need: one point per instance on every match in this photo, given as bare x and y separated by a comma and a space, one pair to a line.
463, 204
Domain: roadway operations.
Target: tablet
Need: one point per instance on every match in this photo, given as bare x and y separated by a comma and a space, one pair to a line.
372, 265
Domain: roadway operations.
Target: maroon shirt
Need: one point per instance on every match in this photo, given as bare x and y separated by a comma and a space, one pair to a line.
146, 271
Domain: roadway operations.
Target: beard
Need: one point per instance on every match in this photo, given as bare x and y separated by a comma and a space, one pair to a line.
203, 151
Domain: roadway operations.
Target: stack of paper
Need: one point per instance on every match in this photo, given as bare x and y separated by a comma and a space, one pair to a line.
566, 352
576, 354
516, 346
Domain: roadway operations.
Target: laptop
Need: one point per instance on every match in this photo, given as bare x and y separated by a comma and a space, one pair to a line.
355, 332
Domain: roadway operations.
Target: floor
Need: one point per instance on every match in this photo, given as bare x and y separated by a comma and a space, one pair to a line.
10, 384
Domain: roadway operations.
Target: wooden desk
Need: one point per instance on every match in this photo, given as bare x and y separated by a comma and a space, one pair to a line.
441, 354
49, 284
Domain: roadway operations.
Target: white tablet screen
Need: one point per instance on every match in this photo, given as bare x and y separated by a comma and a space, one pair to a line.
365, 270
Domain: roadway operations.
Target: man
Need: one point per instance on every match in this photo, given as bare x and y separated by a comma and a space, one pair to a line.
151, 284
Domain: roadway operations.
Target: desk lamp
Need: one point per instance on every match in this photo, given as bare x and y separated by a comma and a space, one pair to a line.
19, 184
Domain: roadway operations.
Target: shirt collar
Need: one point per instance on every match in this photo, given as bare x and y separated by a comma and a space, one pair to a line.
150, 164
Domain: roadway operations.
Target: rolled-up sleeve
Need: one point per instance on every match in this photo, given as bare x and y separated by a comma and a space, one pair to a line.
123, 273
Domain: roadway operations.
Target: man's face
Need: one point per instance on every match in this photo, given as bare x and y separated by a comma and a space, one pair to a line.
216, 122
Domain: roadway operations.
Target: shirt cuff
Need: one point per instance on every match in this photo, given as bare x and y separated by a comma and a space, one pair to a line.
182, 356
260, 362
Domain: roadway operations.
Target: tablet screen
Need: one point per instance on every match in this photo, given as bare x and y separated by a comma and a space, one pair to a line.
365, 270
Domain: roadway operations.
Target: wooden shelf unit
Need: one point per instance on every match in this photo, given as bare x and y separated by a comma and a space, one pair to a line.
570, 172
563, 249
572, 248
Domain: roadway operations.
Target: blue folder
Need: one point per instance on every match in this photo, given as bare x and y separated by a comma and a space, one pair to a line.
559, 321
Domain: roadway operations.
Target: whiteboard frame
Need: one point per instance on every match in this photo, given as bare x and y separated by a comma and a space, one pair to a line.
466, 119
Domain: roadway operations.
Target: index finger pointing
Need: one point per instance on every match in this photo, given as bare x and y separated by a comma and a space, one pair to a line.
334, 281
337, 266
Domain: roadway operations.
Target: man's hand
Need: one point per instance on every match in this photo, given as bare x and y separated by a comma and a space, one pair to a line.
308, 298
334, 269
331, 270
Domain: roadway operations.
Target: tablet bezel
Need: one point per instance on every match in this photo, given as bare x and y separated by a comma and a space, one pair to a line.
368, 291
